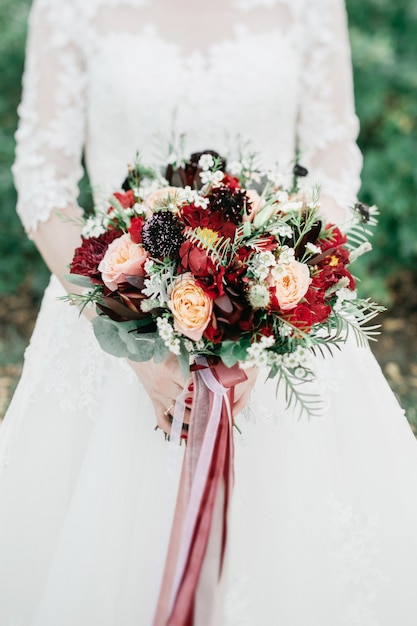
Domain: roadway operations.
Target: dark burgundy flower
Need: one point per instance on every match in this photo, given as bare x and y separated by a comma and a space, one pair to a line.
229, 202
88, 256
162, 234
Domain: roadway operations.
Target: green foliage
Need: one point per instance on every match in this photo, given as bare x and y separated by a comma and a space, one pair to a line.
384, 50
17, 253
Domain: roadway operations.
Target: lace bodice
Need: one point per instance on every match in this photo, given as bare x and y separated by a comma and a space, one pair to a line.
109, 77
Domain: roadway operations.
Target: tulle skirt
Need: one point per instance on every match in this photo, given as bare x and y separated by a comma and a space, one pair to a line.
324, 513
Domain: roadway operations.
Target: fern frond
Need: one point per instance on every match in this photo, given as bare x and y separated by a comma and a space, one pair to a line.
300, 402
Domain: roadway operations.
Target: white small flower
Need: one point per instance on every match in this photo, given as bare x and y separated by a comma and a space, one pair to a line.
283, 231
165, 329
206, 162
148, 266
174, 346
286, 255
266, 258
189, 346
290, 361
267, 341
301, 355
311, 247
211, 178
285, 330
277, 359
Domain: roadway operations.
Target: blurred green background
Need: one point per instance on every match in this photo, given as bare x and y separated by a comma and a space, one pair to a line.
384, 52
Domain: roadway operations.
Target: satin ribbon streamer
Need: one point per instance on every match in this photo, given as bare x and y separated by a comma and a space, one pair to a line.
207, 465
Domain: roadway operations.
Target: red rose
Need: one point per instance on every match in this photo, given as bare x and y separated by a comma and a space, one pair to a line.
300, 317
315, 298
212, 332
127, 199
135, 229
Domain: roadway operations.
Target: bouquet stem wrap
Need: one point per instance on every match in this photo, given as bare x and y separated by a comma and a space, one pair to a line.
198, 537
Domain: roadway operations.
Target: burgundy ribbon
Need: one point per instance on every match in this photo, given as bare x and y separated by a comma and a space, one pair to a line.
203, 500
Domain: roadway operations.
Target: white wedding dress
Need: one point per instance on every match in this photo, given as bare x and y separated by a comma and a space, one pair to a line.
324, 520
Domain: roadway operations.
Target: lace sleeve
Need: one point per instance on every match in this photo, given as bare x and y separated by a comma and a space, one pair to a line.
328, 126
50, 134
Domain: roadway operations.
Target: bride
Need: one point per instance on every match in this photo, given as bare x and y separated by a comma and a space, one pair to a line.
323, 529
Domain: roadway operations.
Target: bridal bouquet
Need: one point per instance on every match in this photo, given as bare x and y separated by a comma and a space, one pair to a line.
238, 268
227, 268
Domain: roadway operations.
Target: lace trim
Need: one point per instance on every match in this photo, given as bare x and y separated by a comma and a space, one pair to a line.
51, 130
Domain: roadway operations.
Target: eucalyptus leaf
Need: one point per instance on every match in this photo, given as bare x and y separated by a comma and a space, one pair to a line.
184, 362
80, 281
117, 339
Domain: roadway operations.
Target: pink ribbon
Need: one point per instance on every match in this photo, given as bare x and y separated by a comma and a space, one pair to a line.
208, 464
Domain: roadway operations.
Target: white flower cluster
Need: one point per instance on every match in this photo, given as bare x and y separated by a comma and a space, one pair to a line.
286, 255
311, 247
259, 355
93, 227
191, 196
156, 285
167, 334
262, 263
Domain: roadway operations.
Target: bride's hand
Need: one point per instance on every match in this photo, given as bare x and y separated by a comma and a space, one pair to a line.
163, 382
243, 390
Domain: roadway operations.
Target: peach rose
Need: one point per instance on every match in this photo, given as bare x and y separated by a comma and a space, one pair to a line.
190, 306
123, 258
291, 285
160, 196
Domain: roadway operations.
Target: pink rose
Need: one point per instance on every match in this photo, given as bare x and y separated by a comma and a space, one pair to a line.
123, 258
191, 307
291, 285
